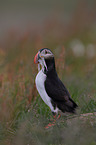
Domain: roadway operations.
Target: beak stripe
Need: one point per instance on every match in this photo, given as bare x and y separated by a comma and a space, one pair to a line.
36, 58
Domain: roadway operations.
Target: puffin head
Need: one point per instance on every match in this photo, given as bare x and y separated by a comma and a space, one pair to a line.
45, 58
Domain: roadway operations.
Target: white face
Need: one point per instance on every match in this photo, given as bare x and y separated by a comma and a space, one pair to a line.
40, 57
44, 54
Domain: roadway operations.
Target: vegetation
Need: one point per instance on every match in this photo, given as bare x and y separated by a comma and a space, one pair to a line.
23, 114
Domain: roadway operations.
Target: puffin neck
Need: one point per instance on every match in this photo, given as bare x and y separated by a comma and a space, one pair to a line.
50, 66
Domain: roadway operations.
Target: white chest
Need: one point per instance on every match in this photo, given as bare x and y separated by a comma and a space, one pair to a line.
40, 79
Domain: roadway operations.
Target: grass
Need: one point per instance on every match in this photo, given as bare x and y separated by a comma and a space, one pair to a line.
23, 114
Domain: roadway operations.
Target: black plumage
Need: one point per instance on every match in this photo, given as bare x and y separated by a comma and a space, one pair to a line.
50, 87
56, 90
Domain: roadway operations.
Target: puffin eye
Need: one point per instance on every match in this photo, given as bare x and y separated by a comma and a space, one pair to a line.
46, 52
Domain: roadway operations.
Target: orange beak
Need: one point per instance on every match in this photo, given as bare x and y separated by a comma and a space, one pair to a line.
36, 58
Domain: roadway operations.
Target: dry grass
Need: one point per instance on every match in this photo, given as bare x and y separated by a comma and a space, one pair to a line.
23, 114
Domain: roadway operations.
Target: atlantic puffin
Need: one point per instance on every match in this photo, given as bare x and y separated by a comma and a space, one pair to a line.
50, 87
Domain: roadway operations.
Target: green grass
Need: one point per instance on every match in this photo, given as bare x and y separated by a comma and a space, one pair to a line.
23, 121
23, 114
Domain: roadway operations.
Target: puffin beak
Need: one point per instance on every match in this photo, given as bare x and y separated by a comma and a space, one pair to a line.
36, 58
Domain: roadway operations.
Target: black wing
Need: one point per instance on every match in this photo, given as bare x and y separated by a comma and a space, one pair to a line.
56, 89
59, 94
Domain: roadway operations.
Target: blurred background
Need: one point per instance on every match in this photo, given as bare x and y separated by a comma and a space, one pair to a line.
47, 20
68, 28
25, 27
